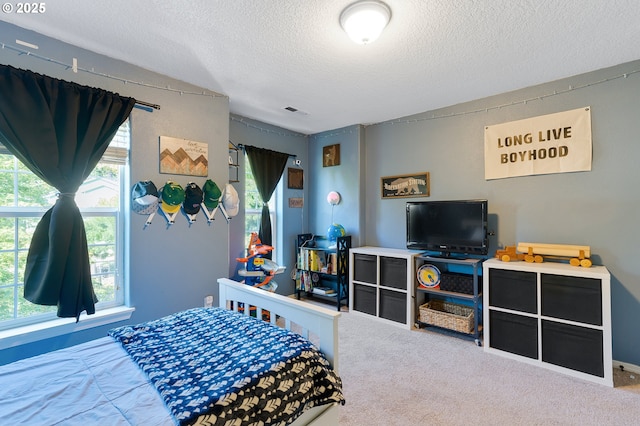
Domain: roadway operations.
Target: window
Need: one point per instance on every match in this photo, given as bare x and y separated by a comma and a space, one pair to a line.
253, 206
25, 198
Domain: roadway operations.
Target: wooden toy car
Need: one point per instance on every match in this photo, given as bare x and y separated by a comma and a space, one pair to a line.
508, 254
577, 255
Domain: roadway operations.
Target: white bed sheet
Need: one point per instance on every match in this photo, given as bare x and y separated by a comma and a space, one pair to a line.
76, 386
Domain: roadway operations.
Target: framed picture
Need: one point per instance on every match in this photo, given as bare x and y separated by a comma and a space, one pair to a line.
296, 202
414, 185
295, 178
331, 155
183, 157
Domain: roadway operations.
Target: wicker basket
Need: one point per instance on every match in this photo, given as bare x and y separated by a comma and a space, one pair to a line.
447, 315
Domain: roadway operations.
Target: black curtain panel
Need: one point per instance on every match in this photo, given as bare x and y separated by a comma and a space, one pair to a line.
59, 130
267, 167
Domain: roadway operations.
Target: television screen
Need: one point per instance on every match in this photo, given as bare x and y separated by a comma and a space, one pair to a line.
448, 226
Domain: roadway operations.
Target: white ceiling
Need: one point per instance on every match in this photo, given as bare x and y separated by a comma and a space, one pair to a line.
270, 54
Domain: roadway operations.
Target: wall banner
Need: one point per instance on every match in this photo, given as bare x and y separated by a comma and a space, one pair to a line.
554, 143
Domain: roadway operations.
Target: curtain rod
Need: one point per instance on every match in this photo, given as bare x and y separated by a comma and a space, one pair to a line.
140, 104
240, 146
146, 105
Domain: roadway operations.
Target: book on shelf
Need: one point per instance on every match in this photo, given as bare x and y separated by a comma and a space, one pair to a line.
332, 265
323, 290
311, 260
303, 281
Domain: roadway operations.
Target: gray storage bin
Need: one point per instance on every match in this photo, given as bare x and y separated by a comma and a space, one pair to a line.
513, 290
364, 299
393, 272
364, 268
572, 298
514, 333
570, 346
393, 305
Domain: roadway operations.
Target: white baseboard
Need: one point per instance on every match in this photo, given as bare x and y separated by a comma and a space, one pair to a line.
626, 366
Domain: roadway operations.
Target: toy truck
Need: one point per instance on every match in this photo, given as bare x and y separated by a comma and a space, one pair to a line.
537, 252
577, 255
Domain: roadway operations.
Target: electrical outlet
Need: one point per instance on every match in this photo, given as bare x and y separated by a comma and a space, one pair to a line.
208, 301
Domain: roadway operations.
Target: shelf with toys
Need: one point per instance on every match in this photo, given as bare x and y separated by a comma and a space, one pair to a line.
556, 315
322, 268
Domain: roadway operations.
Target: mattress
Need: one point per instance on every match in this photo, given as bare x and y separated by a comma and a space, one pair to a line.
76, 386
200, 366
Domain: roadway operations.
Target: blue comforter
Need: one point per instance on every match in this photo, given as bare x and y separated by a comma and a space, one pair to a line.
220, 367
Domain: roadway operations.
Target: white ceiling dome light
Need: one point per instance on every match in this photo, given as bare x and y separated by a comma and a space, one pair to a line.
364, 20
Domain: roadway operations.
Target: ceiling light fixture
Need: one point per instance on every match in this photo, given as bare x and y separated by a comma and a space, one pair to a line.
364, 20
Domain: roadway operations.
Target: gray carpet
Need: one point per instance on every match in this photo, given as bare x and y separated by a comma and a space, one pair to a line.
394, 376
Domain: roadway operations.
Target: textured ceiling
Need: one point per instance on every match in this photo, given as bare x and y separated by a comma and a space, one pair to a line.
270, 54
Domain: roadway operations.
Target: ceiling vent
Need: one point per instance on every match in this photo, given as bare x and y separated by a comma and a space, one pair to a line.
295, 110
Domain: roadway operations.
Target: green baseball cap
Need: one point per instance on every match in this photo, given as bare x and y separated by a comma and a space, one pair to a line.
211, 194
172, 195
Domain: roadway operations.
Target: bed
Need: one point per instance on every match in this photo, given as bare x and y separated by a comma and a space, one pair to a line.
281, 371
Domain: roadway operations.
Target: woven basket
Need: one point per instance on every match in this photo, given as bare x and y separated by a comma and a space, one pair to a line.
447, 315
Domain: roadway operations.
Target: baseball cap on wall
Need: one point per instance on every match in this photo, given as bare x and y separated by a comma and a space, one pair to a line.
211, 194
172, 196
192, 199
230, 200
144, 197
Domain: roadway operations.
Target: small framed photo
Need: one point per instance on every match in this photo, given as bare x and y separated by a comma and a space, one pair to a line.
295, 178
414, 185
296, 202
331, 155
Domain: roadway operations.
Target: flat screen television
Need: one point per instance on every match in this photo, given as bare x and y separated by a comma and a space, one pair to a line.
448, 227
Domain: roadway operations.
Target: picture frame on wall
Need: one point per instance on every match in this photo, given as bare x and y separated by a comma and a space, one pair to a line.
403, 186
296, 202
331, 155
295, 178
183, 157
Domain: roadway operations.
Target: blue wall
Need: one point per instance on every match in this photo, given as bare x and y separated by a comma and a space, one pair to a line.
292, 221
344, 178
598, 208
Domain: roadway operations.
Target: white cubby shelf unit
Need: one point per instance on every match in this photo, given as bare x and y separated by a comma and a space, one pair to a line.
550, 314
381, 284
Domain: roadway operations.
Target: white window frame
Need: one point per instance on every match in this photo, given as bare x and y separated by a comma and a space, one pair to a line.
41, 326
275, 204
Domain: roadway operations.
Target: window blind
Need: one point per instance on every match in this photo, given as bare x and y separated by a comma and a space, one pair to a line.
116, 153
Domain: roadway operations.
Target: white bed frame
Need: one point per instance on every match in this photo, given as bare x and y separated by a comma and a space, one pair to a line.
317, 324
